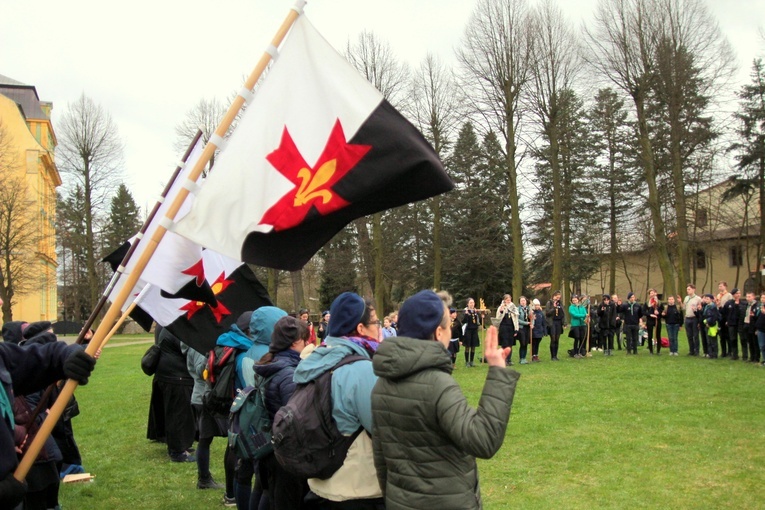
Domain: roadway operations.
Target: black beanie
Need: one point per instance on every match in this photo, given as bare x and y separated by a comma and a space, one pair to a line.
286, 332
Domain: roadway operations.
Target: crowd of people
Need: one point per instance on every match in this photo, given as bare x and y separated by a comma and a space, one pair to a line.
725, 325
408, 425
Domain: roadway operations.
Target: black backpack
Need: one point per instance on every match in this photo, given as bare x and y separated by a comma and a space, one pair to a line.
305, 436
220, 374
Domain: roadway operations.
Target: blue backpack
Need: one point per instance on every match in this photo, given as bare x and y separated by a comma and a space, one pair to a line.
249, 424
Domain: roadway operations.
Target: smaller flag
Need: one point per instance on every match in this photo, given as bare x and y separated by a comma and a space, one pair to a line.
230, 287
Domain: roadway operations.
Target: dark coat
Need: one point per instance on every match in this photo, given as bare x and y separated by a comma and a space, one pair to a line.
632, 313
426, 436
25, 370
656, 310
607, 315
172, 361
282, 386
674, 314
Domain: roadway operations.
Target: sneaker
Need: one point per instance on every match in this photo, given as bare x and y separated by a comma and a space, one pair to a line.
577, 356
510, 363
208, 483
524, 362
182, 457
555, 358
229, 501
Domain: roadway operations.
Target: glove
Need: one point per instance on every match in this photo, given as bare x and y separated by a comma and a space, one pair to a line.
78, 366
12, 492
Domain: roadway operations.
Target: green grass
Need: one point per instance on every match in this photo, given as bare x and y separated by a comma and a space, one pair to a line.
617, 432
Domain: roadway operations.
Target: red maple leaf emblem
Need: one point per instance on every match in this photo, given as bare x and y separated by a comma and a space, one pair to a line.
219, 311
313, 186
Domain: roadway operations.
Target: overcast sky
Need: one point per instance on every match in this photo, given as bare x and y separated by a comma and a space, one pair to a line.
149, 62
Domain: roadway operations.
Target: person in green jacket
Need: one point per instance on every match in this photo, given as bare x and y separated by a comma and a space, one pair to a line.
578, 314
426, 436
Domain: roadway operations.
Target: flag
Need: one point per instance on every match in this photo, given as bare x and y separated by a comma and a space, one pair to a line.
231, 289
317, 147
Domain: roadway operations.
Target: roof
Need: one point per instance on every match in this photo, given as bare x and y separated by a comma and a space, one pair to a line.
4, 80
23, 95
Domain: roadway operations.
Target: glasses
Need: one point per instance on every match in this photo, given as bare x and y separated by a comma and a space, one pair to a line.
374, 323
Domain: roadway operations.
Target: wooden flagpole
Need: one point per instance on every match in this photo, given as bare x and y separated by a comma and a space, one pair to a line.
114, 310
43, 403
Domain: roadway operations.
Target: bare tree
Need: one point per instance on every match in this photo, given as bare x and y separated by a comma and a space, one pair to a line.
90, 152
554, 71
435, 108
693, 63
19, 232
622, 48
205, 115
495, 58
375, 60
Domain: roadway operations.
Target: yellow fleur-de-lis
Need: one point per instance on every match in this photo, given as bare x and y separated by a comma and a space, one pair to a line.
309, 187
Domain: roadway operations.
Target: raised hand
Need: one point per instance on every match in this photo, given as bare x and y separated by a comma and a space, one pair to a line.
493, 354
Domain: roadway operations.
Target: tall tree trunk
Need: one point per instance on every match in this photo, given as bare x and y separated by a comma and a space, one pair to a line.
762, 225
557, 198
366, 251
515, 214
273, 284
379, 290
90, 256
681, 211
649, 168
298, 298
436, 206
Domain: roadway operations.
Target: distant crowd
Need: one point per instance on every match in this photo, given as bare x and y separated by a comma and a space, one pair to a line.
725, 325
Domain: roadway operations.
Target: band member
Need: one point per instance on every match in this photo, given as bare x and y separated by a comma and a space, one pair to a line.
508, 325
652, 311
555, 317
471, 320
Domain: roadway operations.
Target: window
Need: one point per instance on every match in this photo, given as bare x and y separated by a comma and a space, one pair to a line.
701, 217
736, 256
701, 259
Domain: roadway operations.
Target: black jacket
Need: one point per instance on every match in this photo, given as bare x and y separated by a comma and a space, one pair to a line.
632, 313
674, 314
607, 315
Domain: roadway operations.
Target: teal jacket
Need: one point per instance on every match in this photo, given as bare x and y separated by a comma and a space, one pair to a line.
351, 384
577, 314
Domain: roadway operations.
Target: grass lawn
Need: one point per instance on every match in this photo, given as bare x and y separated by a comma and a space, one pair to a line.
603, 432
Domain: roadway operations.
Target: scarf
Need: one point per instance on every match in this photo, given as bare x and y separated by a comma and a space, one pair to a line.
369, 344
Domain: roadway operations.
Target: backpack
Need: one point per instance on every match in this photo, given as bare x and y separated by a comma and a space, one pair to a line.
249, 424
305, 437
220, 374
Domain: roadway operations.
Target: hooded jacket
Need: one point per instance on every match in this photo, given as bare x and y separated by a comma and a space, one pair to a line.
426, 436
254, 346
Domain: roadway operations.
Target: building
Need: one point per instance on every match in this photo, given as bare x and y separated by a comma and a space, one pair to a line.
27, 124
724, 233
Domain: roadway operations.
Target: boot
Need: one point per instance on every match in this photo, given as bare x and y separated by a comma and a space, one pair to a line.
207, 482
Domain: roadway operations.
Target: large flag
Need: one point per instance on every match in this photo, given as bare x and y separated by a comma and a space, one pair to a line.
230, 288
317, 147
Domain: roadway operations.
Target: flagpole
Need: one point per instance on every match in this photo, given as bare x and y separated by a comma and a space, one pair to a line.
67, 391
124, 316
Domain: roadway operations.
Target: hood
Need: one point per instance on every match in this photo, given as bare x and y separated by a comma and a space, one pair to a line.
234, 337
12, 331
284, 359
45, 337
262, 323
325, 357
400, 357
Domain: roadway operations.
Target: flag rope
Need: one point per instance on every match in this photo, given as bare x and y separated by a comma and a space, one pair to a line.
67, 391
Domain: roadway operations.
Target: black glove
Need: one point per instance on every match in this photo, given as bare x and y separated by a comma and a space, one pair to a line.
78, 366
12, 492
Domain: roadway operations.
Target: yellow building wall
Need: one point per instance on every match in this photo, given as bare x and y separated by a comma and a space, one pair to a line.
35, 161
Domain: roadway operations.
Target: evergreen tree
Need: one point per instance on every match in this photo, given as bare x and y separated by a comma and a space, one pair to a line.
750, 149
339, 274
477, 255
124, 219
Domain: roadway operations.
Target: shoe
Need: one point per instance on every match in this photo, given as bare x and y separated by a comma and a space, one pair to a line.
706, 355
227, 501
554, 358
524, 362
535, 359
208, 483
734, 358
577, 356
182, 457
510, 363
